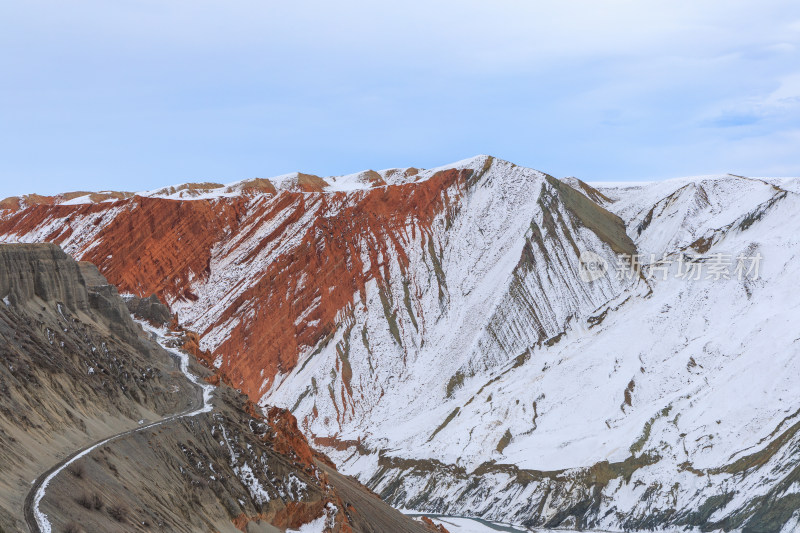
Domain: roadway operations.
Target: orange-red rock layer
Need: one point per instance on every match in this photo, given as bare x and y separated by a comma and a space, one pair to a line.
160, 246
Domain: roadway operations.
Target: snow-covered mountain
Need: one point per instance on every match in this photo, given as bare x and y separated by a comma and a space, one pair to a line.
438, 335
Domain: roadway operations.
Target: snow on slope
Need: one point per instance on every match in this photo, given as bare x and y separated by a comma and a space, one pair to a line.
433, 334
698, 374
359, 181
672, 214
494, 279
685, 389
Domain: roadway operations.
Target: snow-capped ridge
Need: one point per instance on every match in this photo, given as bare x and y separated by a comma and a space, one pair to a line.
292, 181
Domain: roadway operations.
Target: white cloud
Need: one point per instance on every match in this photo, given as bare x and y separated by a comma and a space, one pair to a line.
787, 95
200, 88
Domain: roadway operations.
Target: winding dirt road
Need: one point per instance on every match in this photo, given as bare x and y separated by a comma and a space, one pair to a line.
35, 519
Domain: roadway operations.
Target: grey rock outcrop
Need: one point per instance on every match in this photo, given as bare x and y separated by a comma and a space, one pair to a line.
151, 309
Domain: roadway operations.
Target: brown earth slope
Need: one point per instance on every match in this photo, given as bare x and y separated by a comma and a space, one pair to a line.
75, 369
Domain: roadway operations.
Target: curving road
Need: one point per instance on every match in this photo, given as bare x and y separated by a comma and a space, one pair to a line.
35, 519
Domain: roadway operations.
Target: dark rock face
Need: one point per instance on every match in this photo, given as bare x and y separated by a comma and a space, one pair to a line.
43, 272
35, 275
151, 309
76, 369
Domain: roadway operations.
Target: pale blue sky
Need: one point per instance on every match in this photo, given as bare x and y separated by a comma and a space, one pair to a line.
127, 94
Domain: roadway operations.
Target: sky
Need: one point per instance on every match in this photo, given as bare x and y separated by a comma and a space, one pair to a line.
139, 94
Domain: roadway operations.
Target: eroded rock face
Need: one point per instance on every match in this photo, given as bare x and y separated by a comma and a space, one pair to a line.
41, 272
366, 282
73, 366
150, 309
309, 255
75, 369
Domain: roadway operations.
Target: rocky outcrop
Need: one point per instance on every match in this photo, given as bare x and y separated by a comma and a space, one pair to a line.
432, 526
44, 273
15, 203
151, 309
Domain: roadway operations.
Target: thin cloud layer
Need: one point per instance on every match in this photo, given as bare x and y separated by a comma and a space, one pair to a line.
133, 95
